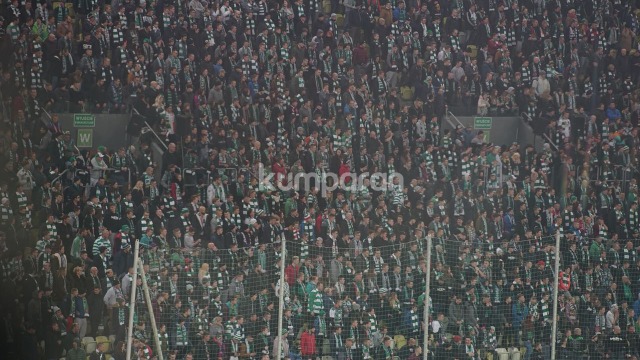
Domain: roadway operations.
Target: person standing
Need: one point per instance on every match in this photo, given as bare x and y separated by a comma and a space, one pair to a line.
79, 310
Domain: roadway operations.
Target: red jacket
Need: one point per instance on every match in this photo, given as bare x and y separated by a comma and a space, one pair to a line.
344, 168
307, 344
564, 281
292, 274
360, 54
280, 172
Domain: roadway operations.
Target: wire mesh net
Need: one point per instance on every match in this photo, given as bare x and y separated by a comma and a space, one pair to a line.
365, 297
346, 289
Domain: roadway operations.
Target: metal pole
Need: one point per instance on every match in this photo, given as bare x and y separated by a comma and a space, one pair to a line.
147, 297
554, 325
283, 264
427, 294
132, 302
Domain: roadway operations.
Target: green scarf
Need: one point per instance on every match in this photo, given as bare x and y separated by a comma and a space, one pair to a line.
122, 314
388, 353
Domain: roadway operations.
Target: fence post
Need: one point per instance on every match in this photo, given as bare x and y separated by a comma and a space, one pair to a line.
283, 265
554, 325
132, 302
152, 318
427, 301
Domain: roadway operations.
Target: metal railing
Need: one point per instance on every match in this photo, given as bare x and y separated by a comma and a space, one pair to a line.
526, 117
105, 174
548, 139
528, 121
195, 172
44, 111
231, 173
449, 115
57, 178
150, 129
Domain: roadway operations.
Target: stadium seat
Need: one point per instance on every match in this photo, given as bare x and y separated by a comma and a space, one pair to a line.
400, 341
326, 7
502, 353
474, 51
87, 339
326, 346
90, 347
112, 340
104, 339
514, 354
406, 93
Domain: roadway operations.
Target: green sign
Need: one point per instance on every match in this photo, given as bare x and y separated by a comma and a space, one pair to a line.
84, 120
85, 138
482, 123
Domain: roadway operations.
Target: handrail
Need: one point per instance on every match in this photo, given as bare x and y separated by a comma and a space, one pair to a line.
109, 169
44, 111
546, 137
453, 126
194, 171
525, 116
156, 135
47, 113
151, 129
59, 176
449, 113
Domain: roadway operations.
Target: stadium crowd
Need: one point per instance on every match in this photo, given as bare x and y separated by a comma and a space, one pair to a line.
247, 87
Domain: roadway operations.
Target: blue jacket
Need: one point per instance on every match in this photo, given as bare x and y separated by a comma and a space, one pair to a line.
519, 314
613, 114
79, 307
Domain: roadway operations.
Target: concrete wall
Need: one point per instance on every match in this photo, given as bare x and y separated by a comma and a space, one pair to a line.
504, 130
109, 130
